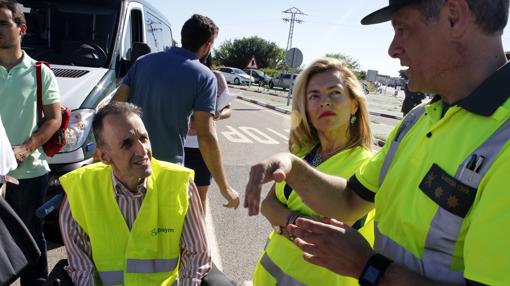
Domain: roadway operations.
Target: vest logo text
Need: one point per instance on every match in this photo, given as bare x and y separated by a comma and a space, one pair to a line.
161, 230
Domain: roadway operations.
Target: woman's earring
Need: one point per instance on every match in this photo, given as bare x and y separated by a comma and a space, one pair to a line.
353, 119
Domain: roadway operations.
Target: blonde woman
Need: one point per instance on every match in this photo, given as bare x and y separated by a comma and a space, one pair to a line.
330, 130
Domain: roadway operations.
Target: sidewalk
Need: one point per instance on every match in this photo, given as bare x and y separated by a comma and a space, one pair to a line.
383, 105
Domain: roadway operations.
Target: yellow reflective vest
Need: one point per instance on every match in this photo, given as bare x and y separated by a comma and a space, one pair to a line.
282, 262
149, 253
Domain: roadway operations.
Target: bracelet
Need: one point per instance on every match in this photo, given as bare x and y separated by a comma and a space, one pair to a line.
374, 270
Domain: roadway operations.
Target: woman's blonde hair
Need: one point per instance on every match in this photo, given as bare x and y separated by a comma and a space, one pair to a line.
303, 136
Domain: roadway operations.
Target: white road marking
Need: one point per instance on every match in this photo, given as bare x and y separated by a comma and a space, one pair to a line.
211, 238
235, 136
261, 137
278, 134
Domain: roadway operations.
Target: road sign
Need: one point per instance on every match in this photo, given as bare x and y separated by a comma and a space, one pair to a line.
294, 58
252, 64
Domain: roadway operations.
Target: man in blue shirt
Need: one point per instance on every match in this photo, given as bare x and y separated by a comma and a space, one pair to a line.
169, 86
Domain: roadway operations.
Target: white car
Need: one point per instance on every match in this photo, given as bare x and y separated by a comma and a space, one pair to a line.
236, 76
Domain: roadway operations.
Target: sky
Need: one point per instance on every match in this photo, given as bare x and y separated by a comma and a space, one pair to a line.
329, 26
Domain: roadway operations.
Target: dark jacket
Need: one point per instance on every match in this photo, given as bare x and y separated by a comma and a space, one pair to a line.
411, 100
17, 247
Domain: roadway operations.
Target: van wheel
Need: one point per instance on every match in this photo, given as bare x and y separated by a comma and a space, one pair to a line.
271, 85
236, 81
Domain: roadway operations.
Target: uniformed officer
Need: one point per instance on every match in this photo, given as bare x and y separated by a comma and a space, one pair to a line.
440, 182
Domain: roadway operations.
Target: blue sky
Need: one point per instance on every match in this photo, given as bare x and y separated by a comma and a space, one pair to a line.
330, 26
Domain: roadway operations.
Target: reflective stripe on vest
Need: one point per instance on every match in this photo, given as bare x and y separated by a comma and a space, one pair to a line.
112, 277
406, 125
433, 265
281, 277
445, 226
138, 266
151, 265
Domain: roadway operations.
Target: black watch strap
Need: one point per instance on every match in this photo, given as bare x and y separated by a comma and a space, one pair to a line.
374, 270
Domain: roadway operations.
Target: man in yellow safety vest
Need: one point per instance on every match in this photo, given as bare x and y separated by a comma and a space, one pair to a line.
131, 219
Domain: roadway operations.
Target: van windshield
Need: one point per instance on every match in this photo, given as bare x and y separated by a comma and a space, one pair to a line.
67, 33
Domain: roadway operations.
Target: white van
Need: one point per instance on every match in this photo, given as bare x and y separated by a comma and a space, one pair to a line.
90, 45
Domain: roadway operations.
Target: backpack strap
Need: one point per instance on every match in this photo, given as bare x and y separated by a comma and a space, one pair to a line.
38, 77
407, 123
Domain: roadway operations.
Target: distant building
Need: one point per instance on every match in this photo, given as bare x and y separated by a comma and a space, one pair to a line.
372, 75
384, 79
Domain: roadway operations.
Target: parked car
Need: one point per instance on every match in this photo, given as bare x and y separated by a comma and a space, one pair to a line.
282, 81
90, 46
236, 76
259, 76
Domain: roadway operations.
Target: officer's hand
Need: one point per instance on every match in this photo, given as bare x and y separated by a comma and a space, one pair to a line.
274, 168
332, 244
232, 197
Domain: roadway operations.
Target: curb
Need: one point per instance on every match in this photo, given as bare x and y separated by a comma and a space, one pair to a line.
266, 105
386, 115
257, 91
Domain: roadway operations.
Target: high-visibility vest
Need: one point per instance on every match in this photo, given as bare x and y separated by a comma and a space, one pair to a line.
149, 253
282, 261
445, 228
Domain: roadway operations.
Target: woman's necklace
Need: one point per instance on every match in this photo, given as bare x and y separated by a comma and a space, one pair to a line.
321, 156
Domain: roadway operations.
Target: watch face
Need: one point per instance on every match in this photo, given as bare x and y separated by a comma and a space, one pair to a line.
371, 274
277, 229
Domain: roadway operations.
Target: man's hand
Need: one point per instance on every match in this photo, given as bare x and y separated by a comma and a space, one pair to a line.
21, 153
275, 168
332, 244
3, 189
232, 197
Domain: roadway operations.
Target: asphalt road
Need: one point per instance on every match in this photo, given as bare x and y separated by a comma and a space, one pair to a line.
250, 135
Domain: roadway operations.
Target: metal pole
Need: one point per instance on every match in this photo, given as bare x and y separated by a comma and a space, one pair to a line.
293, 11
291, 85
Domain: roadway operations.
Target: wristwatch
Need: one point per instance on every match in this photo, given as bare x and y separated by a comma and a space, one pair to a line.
374, 270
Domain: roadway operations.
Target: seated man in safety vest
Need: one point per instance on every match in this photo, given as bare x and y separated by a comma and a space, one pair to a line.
132, 220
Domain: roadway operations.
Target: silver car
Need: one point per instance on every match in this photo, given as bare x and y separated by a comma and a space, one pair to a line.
236, 76
282, 81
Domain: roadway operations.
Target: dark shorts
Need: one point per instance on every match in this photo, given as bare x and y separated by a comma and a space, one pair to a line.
193, 159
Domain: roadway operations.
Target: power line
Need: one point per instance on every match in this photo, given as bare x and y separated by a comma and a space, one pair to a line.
293, 19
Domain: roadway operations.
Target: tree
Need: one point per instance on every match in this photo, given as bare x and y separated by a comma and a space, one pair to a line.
352, 63
403, 74
237, 53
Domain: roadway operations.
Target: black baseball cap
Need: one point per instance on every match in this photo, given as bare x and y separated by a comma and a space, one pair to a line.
384, 14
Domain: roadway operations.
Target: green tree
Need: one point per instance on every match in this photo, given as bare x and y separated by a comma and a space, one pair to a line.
352, 63
403, 74
237, 53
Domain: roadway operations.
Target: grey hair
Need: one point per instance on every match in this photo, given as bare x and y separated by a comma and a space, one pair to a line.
490, 16
114, 107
